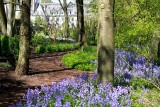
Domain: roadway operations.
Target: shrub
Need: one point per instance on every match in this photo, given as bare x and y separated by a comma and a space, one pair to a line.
14, 45
39, 39
49, 48
60, 47
5, 45
81, 60
40, 49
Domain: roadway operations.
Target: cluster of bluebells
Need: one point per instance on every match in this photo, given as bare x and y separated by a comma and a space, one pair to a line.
82, 92
130, 65
78, 92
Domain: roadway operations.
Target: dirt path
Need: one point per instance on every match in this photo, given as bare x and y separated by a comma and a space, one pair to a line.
44, 69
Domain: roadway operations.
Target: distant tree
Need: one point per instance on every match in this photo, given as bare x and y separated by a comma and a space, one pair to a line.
64, 6
80, 22
3, 19
106, 42
23, 59
11, 17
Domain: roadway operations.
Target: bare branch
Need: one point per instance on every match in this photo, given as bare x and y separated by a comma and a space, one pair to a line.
61, 4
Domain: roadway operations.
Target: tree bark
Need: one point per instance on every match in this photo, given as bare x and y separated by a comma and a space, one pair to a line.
106, 42
66, 18
23, 59
3, 19
80, 22
10, 18
158, 53
66, 23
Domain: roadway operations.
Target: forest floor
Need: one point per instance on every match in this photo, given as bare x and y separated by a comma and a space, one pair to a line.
43, 70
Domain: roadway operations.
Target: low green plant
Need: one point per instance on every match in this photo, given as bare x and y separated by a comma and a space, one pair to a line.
40, 49
5, 65
81, 60
61, 47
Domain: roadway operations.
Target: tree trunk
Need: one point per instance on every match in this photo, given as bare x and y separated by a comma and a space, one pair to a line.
106, 42
158, 54
10, 17
3, 19
23, 59
80, 22
66, 18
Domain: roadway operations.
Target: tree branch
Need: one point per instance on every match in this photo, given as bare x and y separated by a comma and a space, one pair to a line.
61, 4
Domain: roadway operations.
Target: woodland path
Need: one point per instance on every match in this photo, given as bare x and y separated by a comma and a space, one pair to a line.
44, 69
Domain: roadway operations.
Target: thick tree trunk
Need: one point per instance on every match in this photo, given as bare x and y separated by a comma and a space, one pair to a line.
23, 59
10, 17
80, 22
3, 19
106, 42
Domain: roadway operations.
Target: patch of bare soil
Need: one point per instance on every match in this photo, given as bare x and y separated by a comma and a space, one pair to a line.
44, 69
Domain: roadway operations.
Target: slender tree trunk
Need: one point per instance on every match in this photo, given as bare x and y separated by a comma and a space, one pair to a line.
3, 19
158, 54
106, 42
23, 59
66, 23
0, 46
10, 18
80, 21
66, 18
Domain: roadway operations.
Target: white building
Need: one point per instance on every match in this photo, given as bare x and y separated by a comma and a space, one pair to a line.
52, 12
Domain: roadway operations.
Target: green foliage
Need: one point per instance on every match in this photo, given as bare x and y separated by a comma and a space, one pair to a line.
14, 45
5, 65
39, 39
81, 60
91, 29
74, 34
10, 46
61, 47
136, 23
40, 49
39, 24
143, 97
5, 45
139, 82
93, 5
